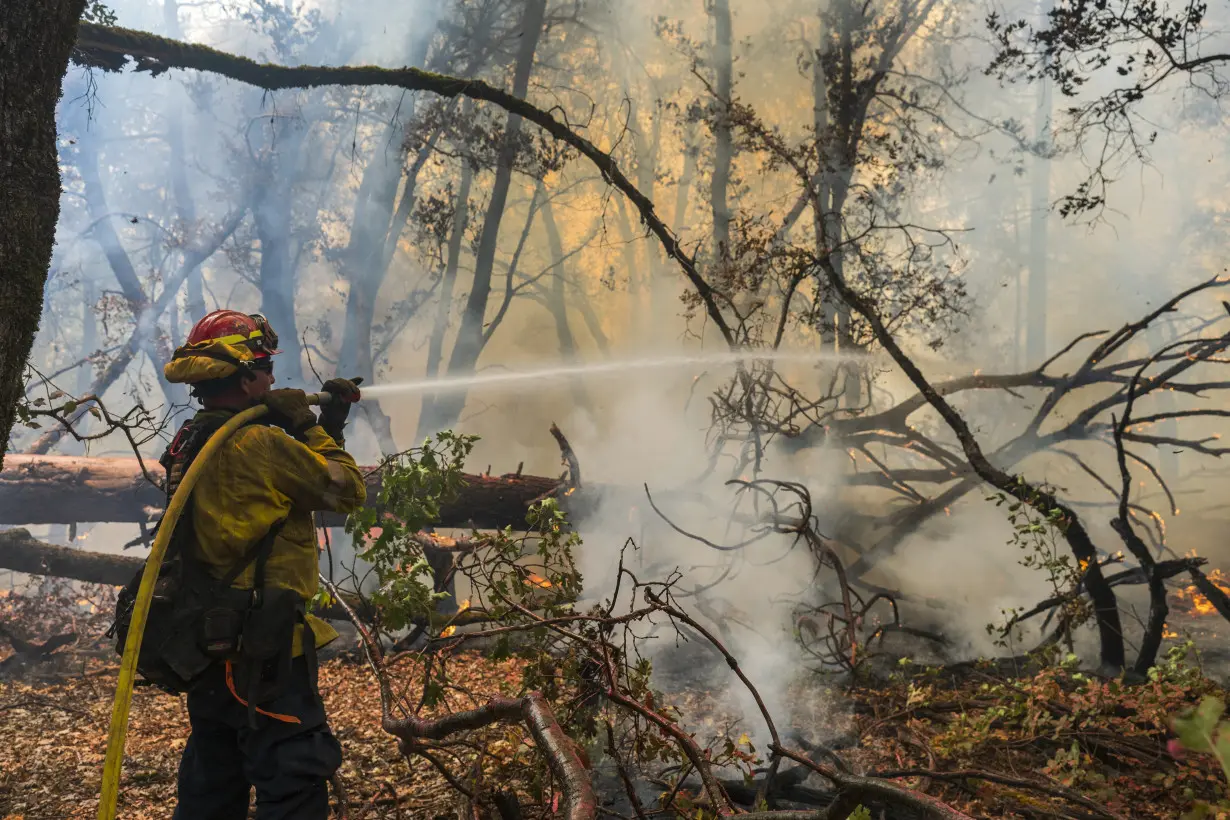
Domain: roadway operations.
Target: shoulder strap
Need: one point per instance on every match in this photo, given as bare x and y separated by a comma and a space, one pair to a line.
258, 552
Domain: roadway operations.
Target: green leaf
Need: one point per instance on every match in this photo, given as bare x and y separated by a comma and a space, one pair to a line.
1196, 728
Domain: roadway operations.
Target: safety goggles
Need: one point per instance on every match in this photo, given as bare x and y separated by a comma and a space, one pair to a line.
267, 341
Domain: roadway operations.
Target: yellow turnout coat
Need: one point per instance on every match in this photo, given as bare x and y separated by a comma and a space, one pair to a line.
259, 477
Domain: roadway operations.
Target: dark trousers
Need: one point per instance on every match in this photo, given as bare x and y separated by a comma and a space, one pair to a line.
289, 764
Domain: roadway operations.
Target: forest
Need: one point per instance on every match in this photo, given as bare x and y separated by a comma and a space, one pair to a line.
770, 408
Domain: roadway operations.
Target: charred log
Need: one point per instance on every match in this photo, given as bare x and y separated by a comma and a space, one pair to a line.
70, 490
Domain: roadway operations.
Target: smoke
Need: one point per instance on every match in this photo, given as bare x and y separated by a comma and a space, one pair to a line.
650, 426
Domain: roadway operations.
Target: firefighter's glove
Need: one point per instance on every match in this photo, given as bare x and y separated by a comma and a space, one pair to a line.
289, 409
333, 415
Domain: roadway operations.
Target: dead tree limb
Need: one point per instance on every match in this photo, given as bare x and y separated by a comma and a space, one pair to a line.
568, 456
1106, 609
1216, 595
532, 711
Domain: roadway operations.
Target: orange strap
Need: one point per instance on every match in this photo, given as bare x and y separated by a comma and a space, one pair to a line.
230, 684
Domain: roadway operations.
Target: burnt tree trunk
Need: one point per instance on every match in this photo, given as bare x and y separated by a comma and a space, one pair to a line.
67, 490
36, 37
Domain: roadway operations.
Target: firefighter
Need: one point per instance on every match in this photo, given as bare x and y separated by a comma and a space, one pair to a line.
259, 724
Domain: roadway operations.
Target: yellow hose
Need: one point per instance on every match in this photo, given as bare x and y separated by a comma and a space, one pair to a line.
145, 595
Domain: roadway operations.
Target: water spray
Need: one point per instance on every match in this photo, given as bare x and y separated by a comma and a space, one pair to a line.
730, 357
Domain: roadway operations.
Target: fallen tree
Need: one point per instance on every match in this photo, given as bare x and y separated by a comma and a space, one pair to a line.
22, 552
35, 489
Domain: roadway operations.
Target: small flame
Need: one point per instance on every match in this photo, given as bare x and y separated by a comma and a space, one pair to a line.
1194, 603
1168, 633
570, 491
537, 580
449, 631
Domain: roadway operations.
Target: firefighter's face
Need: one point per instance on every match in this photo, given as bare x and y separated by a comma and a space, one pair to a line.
258, 383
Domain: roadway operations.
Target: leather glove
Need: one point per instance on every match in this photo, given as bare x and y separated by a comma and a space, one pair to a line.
333, 415
289, 409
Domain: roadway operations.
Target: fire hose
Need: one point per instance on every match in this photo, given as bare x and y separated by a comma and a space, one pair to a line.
132, 645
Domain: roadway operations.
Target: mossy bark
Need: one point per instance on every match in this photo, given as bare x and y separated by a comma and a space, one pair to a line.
36, 37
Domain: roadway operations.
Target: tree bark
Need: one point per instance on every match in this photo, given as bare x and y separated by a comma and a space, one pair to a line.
36, 37
21, 552
34, 490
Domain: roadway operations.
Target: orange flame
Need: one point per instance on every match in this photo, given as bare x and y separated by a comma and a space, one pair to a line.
1194, 603
537, 580
450, 630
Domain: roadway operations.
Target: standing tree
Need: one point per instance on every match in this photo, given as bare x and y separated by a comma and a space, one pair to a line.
35, 41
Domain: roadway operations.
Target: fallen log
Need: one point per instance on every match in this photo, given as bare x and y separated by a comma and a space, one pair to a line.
21, 552
76, 490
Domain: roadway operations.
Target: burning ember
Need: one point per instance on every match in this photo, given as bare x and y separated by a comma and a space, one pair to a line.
449, 630
1192, 602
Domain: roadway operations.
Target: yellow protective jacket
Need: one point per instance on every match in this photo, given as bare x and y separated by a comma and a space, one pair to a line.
259, 477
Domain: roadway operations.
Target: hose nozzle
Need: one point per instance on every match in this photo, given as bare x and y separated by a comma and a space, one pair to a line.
325, 397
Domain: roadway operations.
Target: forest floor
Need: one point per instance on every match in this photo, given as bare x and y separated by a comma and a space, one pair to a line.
991, 741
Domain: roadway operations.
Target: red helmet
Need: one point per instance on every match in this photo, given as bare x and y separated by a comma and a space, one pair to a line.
235, 328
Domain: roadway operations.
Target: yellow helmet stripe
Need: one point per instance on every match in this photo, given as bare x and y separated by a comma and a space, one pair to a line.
237, 338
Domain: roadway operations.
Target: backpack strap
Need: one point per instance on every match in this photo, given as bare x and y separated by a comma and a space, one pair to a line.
258, 552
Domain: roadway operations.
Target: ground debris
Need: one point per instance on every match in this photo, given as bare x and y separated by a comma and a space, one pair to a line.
55, 742
1058, 729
